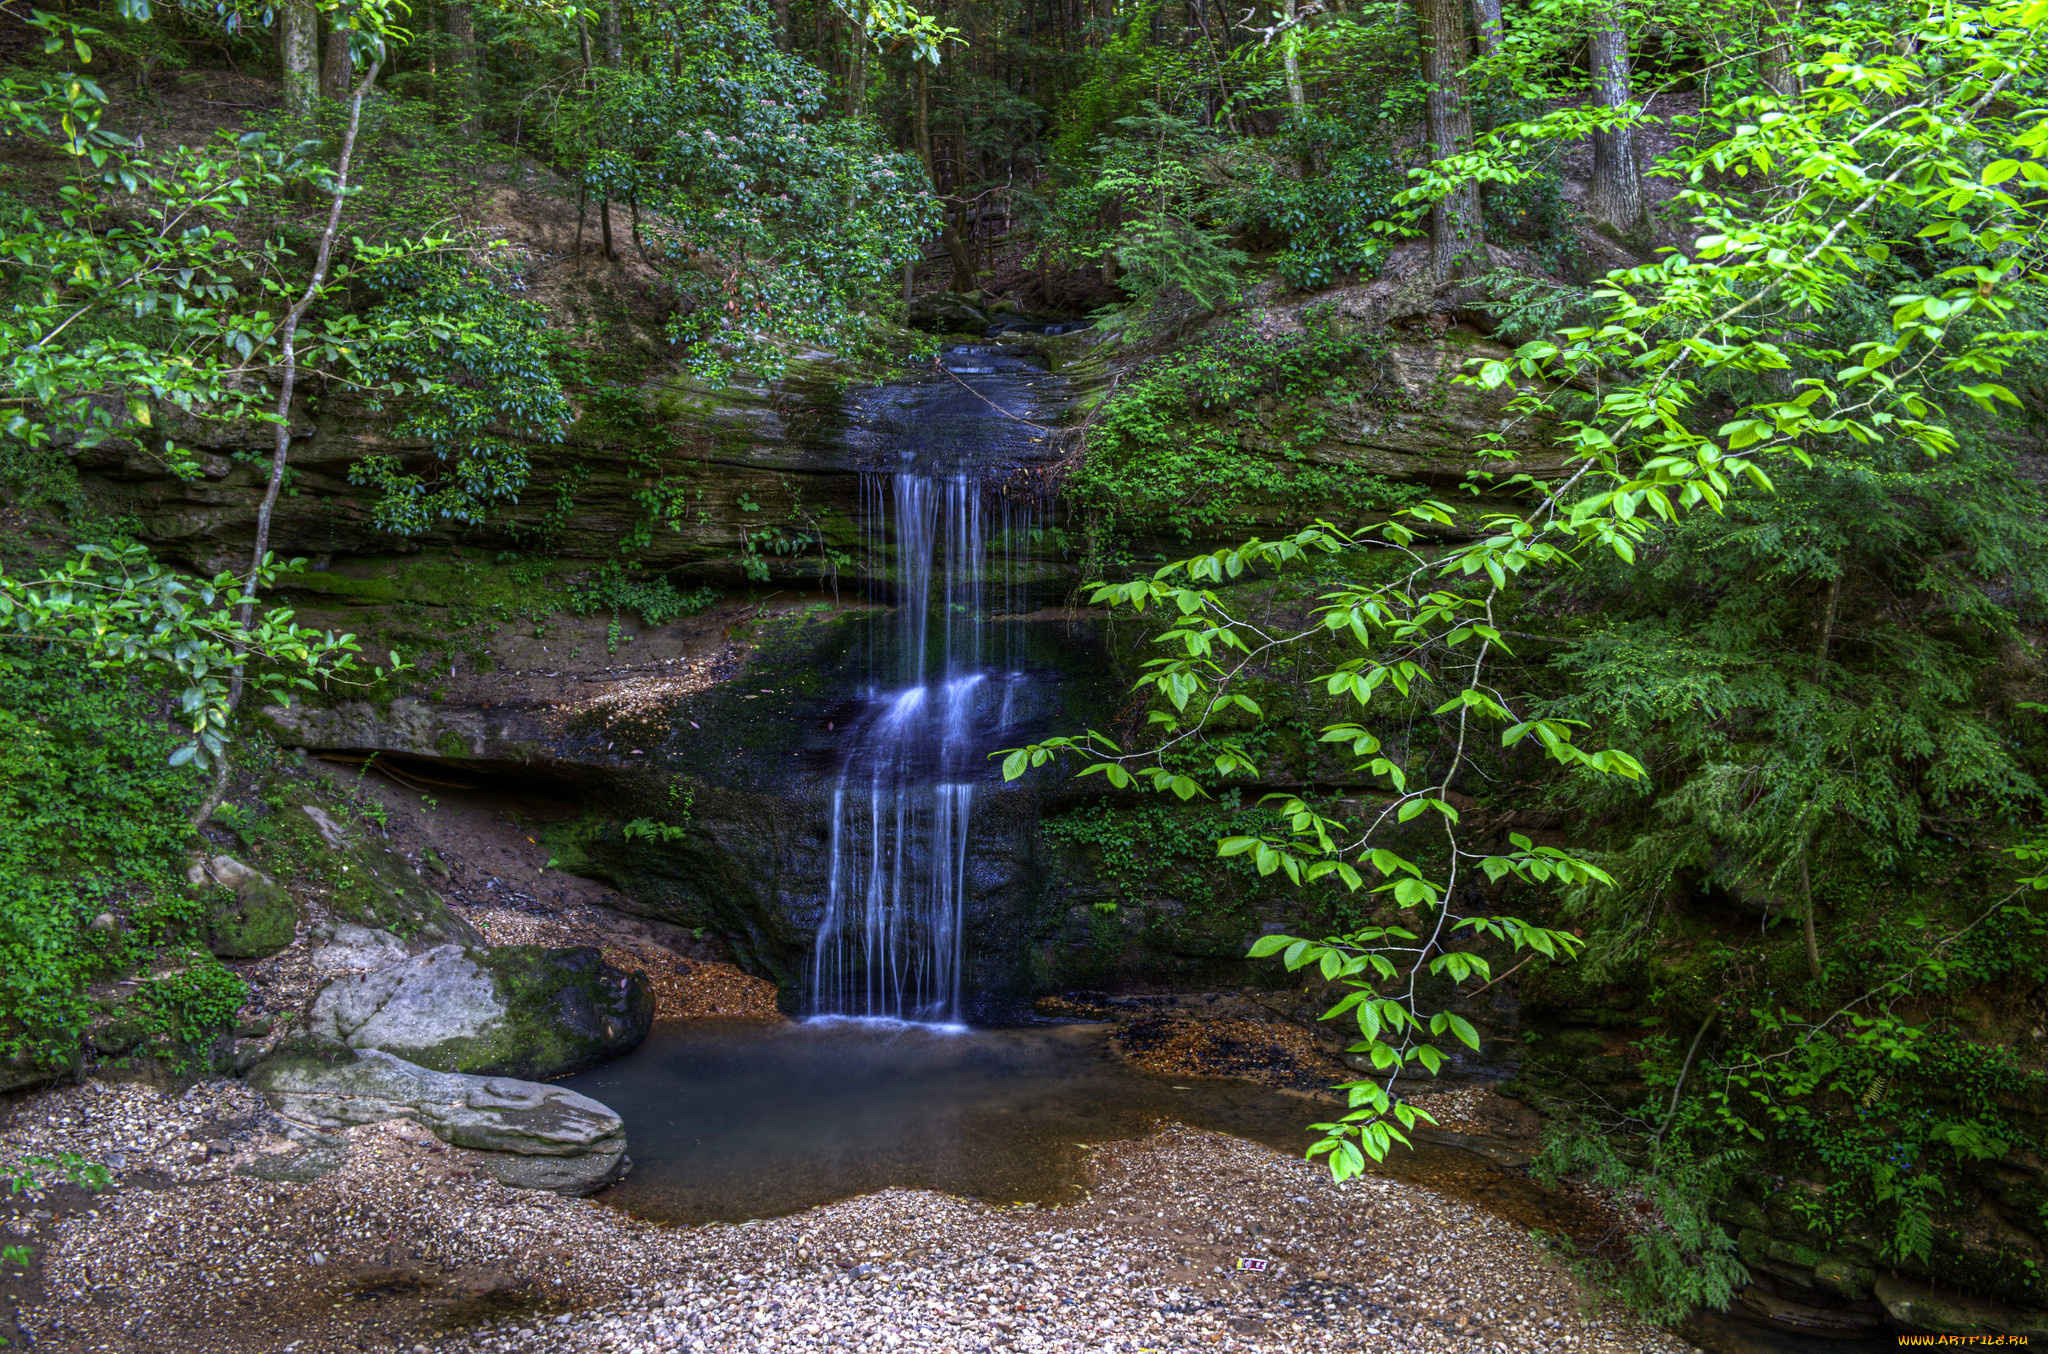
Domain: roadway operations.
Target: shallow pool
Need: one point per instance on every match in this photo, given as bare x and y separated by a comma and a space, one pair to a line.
729, 1120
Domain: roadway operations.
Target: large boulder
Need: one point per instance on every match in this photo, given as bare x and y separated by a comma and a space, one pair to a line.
946, 313
526, 1135
347, 947
513, 1010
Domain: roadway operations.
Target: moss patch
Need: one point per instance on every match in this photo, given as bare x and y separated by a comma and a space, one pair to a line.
565, 1010
256, 919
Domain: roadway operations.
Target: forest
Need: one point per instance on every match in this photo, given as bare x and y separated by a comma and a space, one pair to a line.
1517, 527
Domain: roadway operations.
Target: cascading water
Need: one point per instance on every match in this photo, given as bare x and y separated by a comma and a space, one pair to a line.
890, 941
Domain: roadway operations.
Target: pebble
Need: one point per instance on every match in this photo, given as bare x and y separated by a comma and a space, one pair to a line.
425, 1254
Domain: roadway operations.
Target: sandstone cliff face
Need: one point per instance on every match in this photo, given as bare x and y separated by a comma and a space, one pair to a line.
767, 493
684, 476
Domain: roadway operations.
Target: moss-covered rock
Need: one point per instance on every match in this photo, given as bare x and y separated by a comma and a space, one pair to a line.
1918, 1305
248, 914
118, 1036
519, 1010
1844, 1278
367, 884
258, 918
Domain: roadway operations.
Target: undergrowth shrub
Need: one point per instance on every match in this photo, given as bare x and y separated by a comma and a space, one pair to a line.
1170, 444
92, 819
658, 600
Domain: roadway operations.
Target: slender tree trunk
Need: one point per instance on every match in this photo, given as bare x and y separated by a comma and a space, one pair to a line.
1831, 610
962, 242
1617, 199
604, 200
1290, 61
337, 65
1486, 15
1806, 920
857, 72
1774, 59
1457, 238
461, 16
298, 46
785, 38
613, 36
288, 367
923, 128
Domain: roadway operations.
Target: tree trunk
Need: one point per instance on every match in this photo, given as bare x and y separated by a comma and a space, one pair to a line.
1290, 61
461, 16
924, 125
298, 46
857, 72
1487, 17
784, 37
337, 66
1457, 238
1806, 923
604, 200
1617, 199
288, 369
613, 36
1774, 59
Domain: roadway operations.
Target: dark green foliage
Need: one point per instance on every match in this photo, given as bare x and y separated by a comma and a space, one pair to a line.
1149, 851
487, 390
1681, 1258
765, 217
657, 599
1142, 203
1327, 217
1820, 670
1823, 675
92, 820
189, 1007
1169, 444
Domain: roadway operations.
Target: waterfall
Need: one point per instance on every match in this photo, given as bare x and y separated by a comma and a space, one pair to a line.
890, 941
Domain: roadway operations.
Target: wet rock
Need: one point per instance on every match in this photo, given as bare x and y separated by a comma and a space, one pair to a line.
1790, 1314
323, 822
1924, 1307
527, 1135
17, 1072
1844, 1278
516, 1010
116, 1037
945, 313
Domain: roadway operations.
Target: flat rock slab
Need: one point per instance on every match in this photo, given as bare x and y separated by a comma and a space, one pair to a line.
527, 1135
359, 948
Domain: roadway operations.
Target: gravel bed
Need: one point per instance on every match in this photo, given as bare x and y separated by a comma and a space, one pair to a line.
407, 1248
1272, 1052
